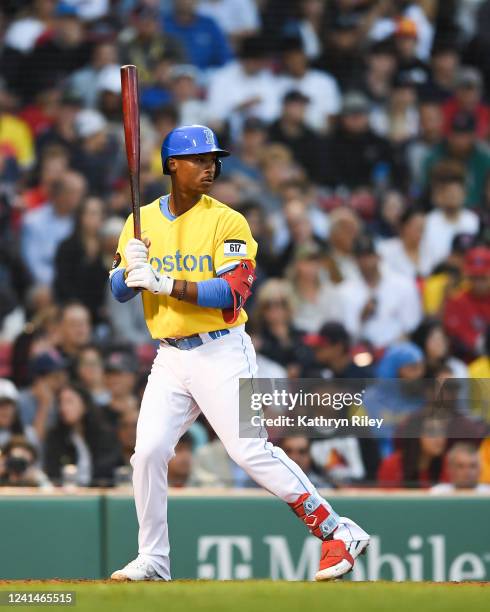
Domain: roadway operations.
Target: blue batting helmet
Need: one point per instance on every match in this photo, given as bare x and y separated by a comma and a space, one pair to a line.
191, 140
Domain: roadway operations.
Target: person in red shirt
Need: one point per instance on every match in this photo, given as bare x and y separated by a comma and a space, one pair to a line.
420, 461
468, 99
467, 313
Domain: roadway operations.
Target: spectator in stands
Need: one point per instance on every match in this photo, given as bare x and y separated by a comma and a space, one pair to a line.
406, 42
448, 218
121, 369
18, 465
275, 335
333, 358
54, 162
431, 337
245, 165
80, 273
468, 99
38, 245
63, 131
10, 419
420, 461
48, 373
315, 295
202, 38
444, 68
463, 466
237, 18
462, 146
15, 135
82, 81
55, 56
91, 375
354, 151
213, 467
381, 65
74, 331
126, 434
298, 448
431, 133
380, 307
391, 206
403, 255
319, 88
143, 43
21, 35
80, 438
245, 87
467, 313
345, 227
180, 466
187, 95
290, 129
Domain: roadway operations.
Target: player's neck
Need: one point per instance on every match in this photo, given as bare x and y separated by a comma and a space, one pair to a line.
181, 201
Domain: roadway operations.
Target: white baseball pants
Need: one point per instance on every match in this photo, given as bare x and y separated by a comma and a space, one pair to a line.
180, 385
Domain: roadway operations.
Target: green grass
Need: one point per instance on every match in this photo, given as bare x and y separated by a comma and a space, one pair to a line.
265, 596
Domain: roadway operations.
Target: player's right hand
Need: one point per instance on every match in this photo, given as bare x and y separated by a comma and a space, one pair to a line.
136, 252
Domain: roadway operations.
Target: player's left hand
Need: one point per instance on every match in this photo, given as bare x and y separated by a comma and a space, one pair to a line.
144, 276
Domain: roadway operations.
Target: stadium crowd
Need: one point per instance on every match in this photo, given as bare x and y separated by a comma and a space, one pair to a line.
361, 159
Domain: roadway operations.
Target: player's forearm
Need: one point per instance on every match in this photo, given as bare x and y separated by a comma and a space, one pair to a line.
119, 289
212, 293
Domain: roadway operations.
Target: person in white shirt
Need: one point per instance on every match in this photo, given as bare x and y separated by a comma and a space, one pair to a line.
463, 462
244, 88
318, 86
235, 17
448, 219
403, 254
381, 306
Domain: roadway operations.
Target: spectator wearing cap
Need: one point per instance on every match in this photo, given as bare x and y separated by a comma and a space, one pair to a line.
48, 372
82, 81
98, 156
464, 470
45, 228
121, 370
463, 146
403, 254
319, 88
467, 313
80, 438
16, 138
186, 94
202, 38
380, 306
80, 271
448, 218
10, 419
144, 43
354, 150
237, 18
467, 98
63, 49
245, 87
406, 43
290, 129
333, 354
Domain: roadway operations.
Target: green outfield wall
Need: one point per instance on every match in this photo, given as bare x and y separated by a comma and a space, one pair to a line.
415, 537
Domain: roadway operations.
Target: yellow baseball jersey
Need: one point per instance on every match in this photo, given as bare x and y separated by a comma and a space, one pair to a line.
200, 244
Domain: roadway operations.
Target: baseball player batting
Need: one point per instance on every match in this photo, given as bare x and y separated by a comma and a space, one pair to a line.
194, 268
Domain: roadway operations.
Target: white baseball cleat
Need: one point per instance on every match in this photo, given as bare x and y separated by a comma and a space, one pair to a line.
339, 554
138, 569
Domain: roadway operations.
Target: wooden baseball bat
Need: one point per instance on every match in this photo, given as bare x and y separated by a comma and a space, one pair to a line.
131, 118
